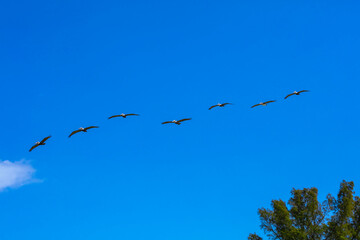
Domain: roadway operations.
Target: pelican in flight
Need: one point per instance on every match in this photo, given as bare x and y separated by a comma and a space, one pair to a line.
177, 122
219, 105
263, 103
296, 93
82, 130
42, 142
123, 115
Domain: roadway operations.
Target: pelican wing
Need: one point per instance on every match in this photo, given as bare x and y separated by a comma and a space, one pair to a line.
167, 122
114, 116
226, 104
289, 95
74, 132
303, 91
132, 114
32, 148
213, 107
256, 105
44, 140
91, 127
269, 101
185, 119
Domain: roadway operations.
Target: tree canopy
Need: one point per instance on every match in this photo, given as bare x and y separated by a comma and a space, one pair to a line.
303, 217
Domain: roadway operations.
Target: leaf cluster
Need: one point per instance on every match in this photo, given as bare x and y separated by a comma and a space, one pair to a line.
303, 217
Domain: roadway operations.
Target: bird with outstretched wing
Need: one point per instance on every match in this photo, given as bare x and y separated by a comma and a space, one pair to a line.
296, 93
82, 130
263, 103
178, 122
219, 105
42, 142
123, 115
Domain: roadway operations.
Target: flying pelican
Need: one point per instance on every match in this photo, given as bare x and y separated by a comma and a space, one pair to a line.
263, 103
82, 130
42, 142
296, 93
123, 115
178, 122
219, 105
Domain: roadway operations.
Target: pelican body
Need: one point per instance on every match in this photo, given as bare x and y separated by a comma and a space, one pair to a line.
296, 93
263, 103
123, 115
219, 105
39, 143
177, 122
82, 130
43, 142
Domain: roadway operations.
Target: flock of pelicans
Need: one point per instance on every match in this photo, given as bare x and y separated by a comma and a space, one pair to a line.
177, 122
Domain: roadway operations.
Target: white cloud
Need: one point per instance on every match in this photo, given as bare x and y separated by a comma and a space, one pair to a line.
15, 174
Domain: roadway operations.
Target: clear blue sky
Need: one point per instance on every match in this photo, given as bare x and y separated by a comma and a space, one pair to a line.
67, 64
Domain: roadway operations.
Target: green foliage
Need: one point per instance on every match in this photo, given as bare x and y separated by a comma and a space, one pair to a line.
254, 237
305, 218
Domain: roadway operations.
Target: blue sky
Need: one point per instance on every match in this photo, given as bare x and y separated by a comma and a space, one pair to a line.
67, 64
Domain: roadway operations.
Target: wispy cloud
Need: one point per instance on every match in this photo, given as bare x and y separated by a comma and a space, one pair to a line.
15, 174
